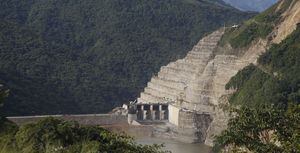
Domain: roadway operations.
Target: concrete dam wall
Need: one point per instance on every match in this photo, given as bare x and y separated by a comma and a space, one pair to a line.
88, 119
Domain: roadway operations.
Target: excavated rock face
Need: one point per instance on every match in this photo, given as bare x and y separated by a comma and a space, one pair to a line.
197, 82
291, 18
184, 79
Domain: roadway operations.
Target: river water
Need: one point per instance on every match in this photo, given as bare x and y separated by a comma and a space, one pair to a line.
175, 146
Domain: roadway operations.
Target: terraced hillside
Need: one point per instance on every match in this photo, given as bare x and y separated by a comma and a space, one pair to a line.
197, 82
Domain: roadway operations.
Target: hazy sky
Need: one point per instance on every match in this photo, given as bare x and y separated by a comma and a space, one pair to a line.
251, 5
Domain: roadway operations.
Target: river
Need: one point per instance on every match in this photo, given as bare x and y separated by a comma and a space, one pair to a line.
175, 146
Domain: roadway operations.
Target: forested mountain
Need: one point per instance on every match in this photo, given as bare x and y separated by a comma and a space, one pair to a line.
268, 97
88, 56
251, 5
265, 107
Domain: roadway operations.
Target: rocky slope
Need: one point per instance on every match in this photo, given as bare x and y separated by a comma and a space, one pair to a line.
198, 80
184, 77
290, 19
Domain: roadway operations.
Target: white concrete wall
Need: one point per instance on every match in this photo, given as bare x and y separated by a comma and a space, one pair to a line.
131, 118
173, 114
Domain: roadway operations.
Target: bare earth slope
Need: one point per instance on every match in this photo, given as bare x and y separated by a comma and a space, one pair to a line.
198, 80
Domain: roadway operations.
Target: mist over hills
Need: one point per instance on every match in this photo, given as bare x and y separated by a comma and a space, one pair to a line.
251, 5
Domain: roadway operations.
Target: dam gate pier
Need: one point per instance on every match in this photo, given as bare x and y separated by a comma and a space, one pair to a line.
152, 112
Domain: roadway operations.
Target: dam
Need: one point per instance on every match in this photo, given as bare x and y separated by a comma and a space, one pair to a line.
182, 101
118, 124
186, 86
179, 103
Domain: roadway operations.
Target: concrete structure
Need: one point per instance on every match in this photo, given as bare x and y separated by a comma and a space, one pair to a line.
132, 119
174, 114
86, 119
152, 112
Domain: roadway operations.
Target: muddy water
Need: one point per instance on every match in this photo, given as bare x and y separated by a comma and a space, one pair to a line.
175, 146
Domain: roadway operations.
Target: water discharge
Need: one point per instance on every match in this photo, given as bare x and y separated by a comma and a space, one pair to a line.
175, 146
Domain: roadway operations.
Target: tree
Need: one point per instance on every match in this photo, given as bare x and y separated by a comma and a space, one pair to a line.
3, 94
266, 129
54, 135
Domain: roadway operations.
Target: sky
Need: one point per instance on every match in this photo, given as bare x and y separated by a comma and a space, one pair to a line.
251, 5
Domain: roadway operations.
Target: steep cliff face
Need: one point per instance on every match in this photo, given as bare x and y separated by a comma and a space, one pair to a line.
198, 81
291, 18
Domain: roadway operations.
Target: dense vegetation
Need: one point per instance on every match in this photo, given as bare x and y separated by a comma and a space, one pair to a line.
268, 102
87, 56
258, 27
52, 135
262, 130
57, 136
